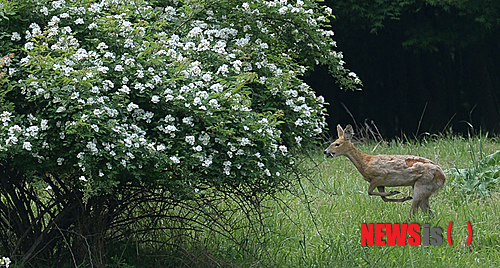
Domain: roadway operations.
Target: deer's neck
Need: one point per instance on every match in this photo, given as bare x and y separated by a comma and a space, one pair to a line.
360, 160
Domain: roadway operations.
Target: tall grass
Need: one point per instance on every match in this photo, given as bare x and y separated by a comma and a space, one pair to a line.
317, 223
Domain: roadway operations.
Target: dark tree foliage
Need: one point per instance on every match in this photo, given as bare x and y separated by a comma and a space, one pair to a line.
435, 60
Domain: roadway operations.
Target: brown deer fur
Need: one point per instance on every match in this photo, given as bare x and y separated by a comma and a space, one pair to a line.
382, 171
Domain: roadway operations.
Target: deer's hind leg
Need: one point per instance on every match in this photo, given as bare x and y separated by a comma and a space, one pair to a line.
424, 205
421, 194
381, 189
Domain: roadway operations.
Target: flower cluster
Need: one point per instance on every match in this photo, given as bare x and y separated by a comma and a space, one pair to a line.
125, 90
5, 261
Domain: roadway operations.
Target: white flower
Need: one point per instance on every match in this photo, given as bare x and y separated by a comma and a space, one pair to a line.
25, 60
214, 103
102, 45
223, 70
29, 46
202, 94
79, 21
237, 65
92, 26
175, 159
15, 129
94, 127
124, 89
5, 117
66, 30
129, 62
207, 162
283, 149
36, 30
92, 147
160, 147
196, 31
190, 140
169, 118
188, 121
103, 69
244, 141
242, 42
27, 146
140, 87
12, 140
82, 178
32, 131
204, 138
129, 43
132, 106
168, 98
118, 68
197, 101
60, 161
217, 88
197, 148
15, 36
75, 95
44, 10
207, 77
5, 261
171, 128
44, 124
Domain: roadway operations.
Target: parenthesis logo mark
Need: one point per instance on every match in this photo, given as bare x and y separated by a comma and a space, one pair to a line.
449, 234
469, 226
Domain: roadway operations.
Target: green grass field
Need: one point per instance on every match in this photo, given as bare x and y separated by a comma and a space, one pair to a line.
318, 223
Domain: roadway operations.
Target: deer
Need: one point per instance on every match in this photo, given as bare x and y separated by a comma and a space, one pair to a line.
425, 177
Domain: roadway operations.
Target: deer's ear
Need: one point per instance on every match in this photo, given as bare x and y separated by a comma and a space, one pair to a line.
348, 132
340, 131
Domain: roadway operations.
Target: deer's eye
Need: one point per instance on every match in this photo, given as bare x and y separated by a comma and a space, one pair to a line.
337, 144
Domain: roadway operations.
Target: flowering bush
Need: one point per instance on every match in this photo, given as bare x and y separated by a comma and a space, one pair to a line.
184, 96
180, 95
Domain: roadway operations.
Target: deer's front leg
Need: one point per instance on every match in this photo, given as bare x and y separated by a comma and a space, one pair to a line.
381, 189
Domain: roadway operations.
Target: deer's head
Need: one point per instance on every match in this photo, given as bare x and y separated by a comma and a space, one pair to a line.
343, 144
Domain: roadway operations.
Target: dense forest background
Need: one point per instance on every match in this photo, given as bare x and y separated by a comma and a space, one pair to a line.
426, 66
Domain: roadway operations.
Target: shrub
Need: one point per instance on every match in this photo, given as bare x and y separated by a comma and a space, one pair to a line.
183, 96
